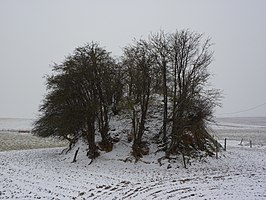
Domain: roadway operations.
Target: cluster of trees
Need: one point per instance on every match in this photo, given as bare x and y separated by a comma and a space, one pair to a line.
90, 86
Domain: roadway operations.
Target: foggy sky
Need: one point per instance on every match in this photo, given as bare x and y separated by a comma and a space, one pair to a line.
35, 34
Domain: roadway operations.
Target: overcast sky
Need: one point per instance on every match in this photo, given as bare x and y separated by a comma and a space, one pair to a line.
35, 34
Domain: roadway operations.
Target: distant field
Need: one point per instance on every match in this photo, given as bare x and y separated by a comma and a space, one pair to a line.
15, 135
21, 141
249, 129
15, 124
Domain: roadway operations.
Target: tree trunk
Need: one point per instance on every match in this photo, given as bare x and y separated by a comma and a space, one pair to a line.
92, 153
165, 96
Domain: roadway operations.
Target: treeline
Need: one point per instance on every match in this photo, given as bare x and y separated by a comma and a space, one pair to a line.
90, 86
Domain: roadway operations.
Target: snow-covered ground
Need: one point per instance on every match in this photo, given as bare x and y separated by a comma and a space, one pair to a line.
15, 135
249, 129
15, 124
239, 173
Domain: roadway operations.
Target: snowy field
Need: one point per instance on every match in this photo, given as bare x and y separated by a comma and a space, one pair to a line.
238, 173
15, 135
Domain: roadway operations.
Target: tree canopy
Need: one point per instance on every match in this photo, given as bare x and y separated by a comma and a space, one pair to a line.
89, 87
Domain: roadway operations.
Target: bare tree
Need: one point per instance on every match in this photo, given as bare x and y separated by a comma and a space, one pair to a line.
105, 75
160, 47
192, 103
139, 62
80, 93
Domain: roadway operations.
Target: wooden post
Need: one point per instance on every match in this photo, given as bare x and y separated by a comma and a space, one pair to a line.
216, 145
225, 144
250, 144
75, 156
184, 161
241, 142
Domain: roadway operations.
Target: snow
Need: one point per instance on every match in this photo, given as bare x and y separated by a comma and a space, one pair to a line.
253, 129
238, 173
15, 124
15, 135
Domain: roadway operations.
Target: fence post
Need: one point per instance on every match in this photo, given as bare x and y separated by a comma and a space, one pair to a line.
75, 156
250, 144
225, 144
216, 144
241, 142
184, 160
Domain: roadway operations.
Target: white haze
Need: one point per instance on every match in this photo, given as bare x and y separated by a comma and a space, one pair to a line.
34, 34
